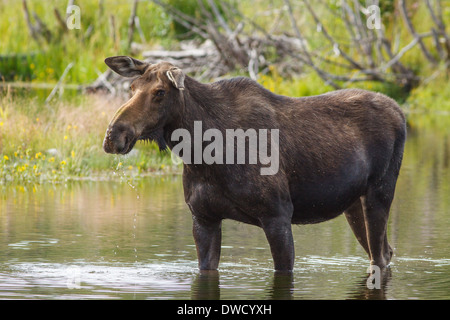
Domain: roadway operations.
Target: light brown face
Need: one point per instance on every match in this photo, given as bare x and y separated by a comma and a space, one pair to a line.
155, 93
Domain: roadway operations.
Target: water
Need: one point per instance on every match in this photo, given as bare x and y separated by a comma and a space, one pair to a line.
133, 240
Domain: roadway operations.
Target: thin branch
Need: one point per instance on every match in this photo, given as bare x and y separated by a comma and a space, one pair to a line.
31, 28
307, 57
330, 38
42, 27
60, 20
400, 54
437, 18
183, 19
413, 32
137, 22
59, 83
131, 23
219, 17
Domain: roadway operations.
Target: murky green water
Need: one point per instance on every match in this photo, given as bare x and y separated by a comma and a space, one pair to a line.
119, 240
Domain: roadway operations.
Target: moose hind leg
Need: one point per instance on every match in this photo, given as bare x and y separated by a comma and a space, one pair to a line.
208, 239
376, 205
355, 218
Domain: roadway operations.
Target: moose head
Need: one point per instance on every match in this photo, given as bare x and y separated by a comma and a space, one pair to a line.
155, 99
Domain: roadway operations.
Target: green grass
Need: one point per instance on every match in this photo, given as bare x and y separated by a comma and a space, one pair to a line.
64, 141
45, 62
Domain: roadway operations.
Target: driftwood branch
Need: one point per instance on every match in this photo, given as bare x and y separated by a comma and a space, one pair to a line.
229, 40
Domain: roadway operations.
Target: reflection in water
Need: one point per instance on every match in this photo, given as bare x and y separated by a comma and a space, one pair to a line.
282, 287
97, 240
366, 292
205, 286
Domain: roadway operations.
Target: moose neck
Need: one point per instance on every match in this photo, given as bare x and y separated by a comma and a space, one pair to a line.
198, 102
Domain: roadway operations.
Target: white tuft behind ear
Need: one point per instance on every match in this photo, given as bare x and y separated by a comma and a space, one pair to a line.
176, 76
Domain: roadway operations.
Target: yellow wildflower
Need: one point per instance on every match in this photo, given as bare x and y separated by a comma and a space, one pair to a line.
5, 157
63, 162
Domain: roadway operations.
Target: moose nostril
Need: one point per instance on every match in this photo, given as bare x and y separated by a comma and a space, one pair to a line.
118, 138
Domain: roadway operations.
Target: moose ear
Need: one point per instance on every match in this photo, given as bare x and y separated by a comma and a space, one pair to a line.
176, 76
127, 66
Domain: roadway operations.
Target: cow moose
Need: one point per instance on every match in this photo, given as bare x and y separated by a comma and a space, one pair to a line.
339, 152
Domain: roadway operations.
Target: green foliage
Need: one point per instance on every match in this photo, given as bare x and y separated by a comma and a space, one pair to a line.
433, 96
189, 8
25, 59
193, 10
307, 85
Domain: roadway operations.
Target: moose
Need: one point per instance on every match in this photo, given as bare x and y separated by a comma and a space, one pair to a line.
339, 152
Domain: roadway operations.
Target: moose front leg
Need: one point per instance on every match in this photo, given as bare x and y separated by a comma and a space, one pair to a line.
279, 235
208, 238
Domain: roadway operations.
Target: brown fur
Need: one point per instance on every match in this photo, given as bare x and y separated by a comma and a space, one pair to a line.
339, 152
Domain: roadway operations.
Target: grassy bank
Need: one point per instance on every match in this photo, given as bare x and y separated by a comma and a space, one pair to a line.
62, 141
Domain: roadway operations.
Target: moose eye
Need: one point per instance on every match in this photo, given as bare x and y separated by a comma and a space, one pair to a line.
160, 93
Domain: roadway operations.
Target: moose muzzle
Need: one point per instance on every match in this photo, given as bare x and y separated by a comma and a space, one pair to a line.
119, 138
